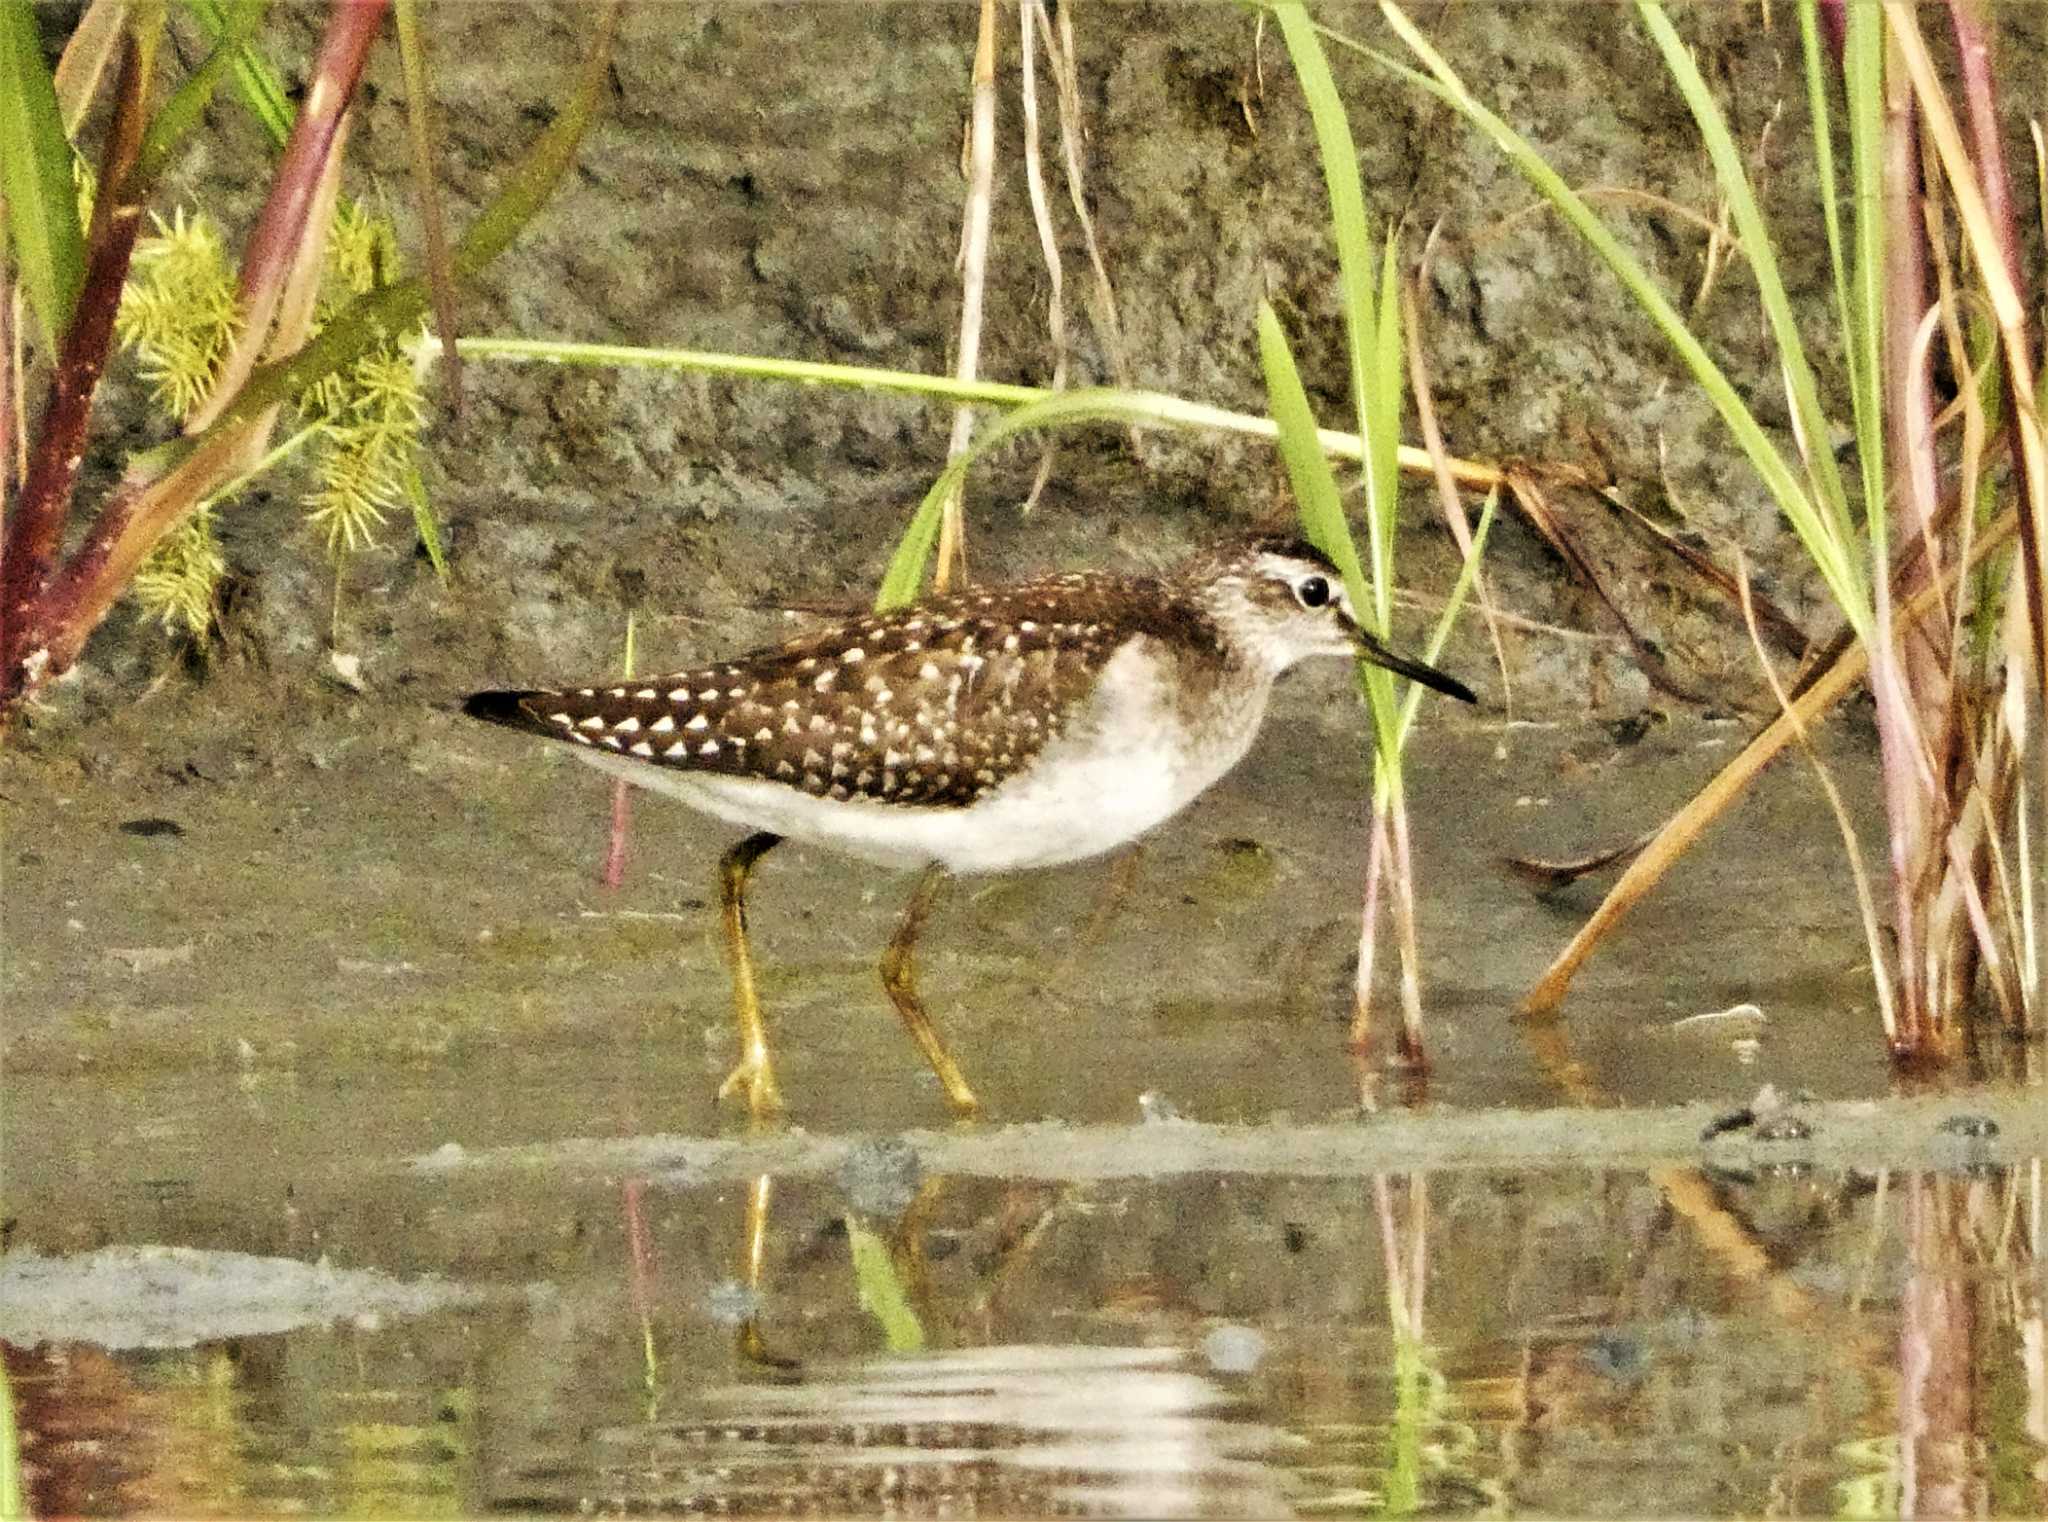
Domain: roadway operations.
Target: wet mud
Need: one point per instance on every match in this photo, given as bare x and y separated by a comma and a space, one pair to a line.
363, 1153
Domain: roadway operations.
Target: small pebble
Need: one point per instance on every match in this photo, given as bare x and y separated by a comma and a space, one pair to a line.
1973, 1127
1234, 1349
881, 1178
1782, 1128
1617, 1356
732, 1303
1155, 1109
152, 828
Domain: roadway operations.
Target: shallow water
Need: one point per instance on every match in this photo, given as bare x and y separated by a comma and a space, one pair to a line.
362, 1157
1670, 1342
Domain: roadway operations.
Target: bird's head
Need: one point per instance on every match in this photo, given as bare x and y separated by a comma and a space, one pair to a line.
1280, 600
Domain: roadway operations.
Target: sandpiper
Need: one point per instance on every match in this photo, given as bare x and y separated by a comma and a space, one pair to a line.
989, 730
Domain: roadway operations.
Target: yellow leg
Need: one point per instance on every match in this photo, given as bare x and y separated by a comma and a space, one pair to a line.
751, 1347
754, 1073
899, 977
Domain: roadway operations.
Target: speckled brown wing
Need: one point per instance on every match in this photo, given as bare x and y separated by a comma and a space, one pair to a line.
930, 705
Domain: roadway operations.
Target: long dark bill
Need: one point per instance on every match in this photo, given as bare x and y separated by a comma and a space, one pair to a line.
1370, 649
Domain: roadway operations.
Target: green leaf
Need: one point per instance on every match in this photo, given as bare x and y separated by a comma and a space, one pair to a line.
1863, 76
1733, 177
881, 1291
904, 578
12, 1500
261, 90
1321, 509
1347, 200
1308, 471
35, 176
1839, 567
1468, 573
429, 527
188, 103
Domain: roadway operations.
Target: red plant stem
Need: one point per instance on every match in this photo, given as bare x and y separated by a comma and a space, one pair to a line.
35, 530
1834, 25
1907, 678
54, 624
640, 1255
615, 852
1368, 933
1980, 95
1414, 1054
281, 225
145, 508
8, 421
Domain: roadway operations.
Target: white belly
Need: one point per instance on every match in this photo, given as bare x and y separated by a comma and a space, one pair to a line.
1123, 766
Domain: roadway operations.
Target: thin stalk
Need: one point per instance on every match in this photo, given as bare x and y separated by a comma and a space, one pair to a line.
1048, 240
1141, 407
1686, 826
981, 175
1449, 503
419, 124
1859, 877
1413, 1053
2000, 283
13, 453
1061, 54
1377, 851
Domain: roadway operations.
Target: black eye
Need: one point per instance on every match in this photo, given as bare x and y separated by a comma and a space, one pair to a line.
1313, 591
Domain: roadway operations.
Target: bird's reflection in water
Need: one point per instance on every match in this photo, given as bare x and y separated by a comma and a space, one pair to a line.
992, 1431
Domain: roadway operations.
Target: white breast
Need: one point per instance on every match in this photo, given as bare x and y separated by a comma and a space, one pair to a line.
1124, 764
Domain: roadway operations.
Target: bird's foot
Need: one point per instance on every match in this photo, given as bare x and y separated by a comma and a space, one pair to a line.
756, 1079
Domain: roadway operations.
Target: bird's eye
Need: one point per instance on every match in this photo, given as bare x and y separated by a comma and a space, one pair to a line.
1313, 591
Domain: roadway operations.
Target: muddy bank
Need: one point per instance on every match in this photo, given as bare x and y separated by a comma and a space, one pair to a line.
786, 181
335, 894
1973, 1131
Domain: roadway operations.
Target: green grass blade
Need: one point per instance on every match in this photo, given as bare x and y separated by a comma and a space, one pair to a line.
904, 577
1786, 486
1162, 409
1321, 509
35, 176
881, 1289
1348, 224
1308, 470
1820, 119
1461, 590
1381, 418
429, 526
257, 82
1733, 178
1863, 81
1370, 327
13, 1500
188, 103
